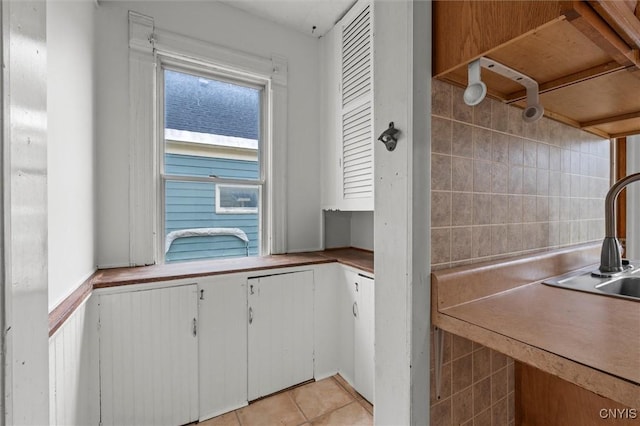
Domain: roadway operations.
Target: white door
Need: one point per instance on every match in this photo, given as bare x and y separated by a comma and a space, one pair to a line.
364, 332
222, 302
280, 314
149, 357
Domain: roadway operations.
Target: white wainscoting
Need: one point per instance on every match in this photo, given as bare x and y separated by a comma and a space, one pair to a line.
149, 356
74, 397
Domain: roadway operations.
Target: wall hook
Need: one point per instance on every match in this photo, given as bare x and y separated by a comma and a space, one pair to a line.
388, 137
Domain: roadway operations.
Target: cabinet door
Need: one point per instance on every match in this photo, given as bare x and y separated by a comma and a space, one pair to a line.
356, 112
149, 357
222, 303
280, 332
348, 315
364, 332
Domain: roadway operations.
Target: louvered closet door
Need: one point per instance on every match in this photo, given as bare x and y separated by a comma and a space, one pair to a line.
149, 357
357, 108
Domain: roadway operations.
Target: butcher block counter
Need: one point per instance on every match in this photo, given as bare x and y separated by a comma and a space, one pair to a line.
589, 340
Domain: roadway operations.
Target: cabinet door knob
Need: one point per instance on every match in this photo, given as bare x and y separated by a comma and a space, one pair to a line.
195, 327
355, 309
250, 315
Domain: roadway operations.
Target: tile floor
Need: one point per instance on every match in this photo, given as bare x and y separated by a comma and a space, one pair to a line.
328, 402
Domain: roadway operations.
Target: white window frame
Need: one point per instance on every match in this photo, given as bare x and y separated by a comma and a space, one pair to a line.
235, 210
218, 73
149, 45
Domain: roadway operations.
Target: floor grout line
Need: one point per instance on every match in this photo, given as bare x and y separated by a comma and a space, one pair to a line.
298, 406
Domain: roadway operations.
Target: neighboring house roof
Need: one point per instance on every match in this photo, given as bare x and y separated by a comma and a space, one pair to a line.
203, 105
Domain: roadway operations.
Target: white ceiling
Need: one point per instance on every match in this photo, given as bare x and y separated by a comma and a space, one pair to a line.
301, 15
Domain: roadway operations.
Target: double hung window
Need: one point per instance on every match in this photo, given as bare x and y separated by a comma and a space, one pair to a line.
212, 162
207, 149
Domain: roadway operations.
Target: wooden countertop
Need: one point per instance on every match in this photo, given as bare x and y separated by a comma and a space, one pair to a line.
103, 278
587, 339
144, 274
358, 258
173, 271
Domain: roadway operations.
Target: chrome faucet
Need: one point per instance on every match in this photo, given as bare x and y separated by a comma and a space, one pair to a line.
610, 257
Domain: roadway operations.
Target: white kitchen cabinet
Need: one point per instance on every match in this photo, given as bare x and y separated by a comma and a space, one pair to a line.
222, 353
357, 334
348, 59
149, 356
280, 331
255, 335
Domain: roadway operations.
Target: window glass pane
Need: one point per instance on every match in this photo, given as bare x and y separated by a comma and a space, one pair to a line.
211, 130
212, 127
194, 230
237, 198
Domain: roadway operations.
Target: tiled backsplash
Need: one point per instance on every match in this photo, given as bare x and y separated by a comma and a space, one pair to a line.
502, 187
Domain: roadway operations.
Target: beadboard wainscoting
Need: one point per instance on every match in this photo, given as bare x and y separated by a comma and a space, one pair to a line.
74, 385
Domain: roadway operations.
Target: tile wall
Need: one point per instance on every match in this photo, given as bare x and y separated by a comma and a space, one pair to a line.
502, 187
477, 386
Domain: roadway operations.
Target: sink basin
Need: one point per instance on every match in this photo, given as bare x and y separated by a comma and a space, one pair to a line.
625, 285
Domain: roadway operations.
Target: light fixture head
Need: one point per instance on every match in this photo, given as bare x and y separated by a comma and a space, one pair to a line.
476, 90
475, 93
532, 113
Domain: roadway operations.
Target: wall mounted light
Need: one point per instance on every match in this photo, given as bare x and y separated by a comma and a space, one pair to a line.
388, 137
476, 90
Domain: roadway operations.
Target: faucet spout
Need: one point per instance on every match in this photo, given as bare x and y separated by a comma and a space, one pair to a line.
610, 257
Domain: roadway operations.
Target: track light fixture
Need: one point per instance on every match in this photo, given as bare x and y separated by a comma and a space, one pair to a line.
476, 90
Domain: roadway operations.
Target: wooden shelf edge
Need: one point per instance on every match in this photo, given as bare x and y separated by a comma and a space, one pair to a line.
625, 134
576, 124
619, 16
63, 311
594, 27
610, 119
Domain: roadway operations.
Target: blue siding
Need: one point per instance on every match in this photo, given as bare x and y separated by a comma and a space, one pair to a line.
192, 165
192, 205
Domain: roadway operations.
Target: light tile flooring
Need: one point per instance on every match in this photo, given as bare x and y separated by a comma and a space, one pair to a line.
330, 402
